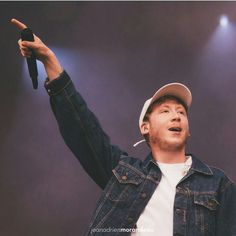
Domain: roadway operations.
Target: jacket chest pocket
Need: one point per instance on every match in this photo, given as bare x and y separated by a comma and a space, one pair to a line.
125, 185
206, 205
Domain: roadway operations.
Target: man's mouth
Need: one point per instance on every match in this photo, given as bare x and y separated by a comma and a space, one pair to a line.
175, 129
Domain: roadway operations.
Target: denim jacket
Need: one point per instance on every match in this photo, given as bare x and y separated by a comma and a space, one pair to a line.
205, 201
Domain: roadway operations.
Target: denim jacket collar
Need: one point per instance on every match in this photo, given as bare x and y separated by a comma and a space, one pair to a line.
197, 165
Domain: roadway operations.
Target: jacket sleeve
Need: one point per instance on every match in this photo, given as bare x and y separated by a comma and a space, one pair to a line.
81, 130
226, 217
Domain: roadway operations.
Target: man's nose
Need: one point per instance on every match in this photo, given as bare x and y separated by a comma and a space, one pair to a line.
176, 116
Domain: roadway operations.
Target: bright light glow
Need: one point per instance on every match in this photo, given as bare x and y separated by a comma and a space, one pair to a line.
69, 58
224, 20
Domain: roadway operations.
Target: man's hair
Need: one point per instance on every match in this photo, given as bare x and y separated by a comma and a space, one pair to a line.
158, 102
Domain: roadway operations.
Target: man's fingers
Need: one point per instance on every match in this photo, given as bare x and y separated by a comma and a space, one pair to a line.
29, 44
26, 53
18, 24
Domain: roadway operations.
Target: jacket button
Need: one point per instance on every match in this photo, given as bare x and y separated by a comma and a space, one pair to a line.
124, 177
178, 211
212, 203
143, 195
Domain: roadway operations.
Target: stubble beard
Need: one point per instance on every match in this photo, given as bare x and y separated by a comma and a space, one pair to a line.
166, 145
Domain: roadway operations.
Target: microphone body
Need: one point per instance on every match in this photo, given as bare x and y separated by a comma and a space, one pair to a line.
27, 35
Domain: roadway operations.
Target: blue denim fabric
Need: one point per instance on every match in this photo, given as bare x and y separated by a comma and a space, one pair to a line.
205, 201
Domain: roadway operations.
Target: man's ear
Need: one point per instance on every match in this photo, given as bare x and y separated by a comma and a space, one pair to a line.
145, 128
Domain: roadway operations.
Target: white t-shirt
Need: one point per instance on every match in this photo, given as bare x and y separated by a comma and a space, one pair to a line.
157, 217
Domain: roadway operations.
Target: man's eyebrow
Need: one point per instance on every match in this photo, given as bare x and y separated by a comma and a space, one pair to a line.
180, 106
164, 105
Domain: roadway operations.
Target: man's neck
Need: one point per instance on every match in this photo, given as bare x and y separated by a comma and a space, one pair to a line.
169, 157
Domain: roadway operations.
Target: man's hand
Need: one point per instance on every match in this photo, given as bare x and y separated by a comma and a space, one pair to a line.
42, 52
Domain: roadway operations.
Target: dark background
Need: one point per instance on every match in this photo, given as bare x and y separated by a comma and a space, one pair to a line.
118, 54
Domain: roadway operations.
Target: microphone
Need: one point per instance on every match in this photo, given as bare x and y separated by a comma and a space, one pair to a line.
27, 35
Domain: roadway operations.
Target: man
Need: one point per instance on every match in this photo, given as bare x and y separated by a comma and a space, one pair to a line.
170, 193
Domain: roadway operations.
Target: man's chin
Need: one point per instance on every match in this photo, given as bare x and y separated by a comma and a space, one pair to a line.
175, 144
169, 143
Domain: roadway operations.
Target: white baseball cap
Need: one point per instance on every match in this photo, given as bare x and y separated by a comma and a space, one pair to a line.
174, 89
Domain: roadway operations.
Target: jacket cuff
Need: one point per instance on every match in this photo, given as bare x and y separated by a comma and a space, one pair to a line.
57, 85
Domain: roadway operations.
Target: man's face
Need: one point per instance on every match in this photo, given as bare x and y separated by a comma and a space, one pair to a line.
167, 126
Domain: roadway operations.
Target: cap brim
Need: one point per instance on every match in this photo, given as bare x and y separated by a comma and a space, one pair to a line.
174, 89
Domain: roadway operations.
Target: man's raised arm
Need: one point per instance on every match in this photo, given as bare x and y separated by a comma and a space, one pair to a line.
79, 127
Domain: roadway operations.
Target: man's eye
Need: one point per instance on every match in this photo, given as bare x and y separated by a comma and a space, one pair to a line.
165, 111
182, 112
